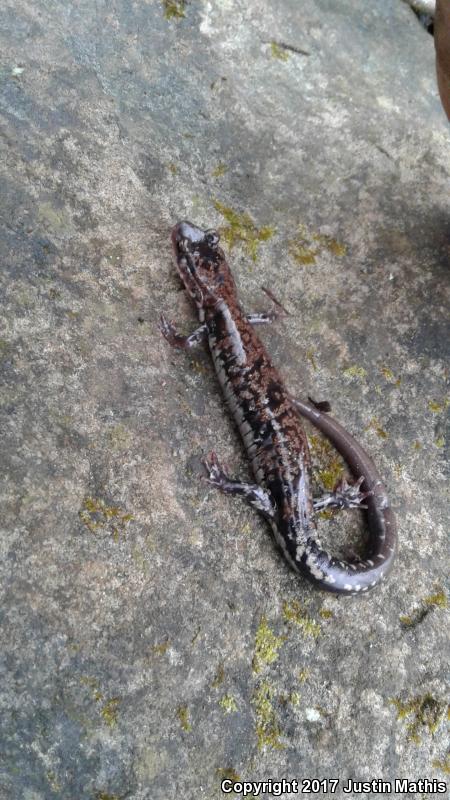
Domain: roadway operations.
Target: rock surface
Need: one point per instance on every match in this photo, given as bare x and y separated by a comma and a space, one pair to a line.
153, 641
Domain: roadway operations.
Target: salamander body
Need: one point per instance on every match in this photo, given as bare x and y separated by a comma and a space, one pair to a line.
270, 424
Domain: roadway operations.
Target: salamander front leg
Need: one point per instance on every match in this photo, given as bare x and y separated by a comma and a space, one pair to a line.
344, 495
176, 340
263, 318
253, 494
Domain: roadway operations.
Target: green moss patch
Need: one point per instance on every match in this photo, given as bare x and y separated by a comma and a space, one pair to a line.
174, 9
375, 425
437, 599
228, 703
97, 517
278, 52
220, 170
293, 612
267, 728
355, 372
331, 470
424, 713
241, 229
267, 645
108, 707
305, 246
183, 716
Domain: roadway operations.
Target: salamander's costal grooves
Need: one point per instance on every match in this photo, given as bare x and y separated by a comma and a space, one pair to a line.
269, 421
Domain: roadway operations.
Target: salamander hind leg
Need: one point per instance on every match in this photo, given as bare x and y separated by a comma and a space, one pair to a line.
344, 495
251, 493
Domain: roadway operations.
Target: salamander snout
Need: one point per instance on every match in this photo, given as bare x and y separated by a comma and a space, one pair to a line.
186, 237
186, 232
201, 263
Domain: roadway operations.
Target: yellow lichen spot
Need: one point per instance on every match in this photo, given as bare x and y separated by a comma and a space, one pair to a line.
229, 773
305, 246
326, 613
326, 513
110, 710
86, 680
246, 528
311, 358
96, 515
440, 442
444, 766
160, 649
173, 8
199, 366
330, 476
94, 686
119, 437
278, 52
267, 727
436, 407
303, 675
220, 170
438, 599
196, 635
302, 252
426, 712
107, 796
398, 470
332, 470
183, 716
293, 612
57, 219
54, 784
267, 645
295, 698
389, 375
219, 677
303, 255
375, 425
387, 372
241, 229
139, 559
355, 372
331, 244
228, 703
320, 446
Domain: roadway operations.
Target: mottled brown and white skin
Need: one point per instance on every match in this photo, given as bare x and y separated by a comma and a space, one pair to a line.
269, 421
442, 44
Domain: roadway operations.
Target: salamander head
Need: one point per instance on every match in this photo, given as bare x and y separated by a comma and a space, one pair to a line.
201, 264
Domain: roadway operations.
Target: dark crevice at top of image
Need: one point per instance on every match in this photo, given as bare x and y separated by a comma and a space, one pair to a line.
427, 20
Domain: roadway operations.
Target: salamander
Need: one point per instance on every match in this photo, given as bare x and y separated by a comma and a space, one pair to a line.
269, 419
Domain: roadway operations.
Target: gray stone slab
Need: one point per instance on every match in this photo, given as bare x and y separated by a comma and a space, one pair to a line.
153, 641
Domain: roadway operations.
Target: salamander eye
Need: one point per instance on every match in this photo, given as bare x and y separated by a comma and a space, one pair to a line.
212, 239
